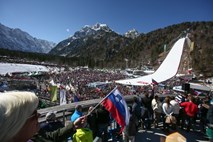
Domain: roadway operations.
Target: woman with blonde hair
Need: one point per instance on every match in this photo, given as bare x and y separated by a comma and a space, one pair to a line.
19, 119
157, 110
167, 111
18, 116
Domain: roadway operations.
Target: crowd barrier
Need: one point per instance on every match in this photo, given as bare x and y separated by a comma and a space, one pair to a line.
65, 111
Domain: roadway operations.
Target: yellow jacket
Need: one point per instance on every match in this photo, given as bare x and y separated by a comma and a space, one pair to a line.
83, 135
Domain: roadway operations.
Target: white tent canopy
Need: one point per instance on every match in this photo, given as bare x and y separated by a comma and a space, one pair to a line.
199, 87
195, 86
167, 69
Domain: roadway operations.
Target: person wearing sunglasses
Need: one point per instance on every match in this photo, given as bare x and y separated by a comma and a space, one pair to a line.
19, 120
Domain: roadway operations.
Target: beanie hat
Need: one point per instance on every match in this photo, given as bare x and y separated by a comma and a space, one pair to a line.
51, 116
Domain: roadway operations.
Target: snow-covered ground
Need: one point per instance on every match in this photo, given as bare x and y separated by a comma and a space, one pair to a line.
12, 67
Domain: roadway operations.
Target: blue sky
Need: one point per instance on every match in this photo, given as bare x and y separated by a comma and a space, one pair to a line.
56, 20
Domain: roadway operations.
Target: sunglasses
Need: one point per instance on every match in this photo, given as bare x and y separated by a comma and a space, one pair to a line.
35, 114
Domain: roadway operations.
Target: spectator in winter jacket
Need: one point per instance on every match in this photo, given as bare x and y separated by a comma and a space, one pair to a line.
209, 130
78, 113
167, 111
203, 110
23, 105
157, 109
147, 103
130, 130
103, 120
136, 108
176, 109
191, 110
92, 121
51, 123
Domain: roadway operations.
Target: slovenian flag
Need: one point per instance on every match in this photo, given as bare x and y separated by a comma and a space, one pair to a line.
116, 105
196, 92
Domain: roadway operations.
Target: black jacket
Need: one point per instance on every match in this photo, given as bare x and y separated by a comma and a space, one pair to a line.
59, 135
210, 114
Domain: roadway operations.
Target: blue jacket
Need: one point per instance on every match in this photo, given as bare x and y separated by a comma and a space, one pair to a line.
76, 115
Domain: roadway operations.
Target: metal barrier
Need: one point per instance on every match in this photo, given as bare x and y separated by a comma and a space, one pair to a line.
64, 111
97, 139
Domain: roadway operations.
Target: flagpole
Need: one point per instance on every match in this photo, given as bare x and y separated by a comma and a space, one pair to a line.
101, 101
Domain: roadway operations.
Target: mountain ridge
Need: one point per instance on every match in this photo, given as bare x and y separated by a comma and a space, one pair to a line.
109, 49
16, 39
104, 48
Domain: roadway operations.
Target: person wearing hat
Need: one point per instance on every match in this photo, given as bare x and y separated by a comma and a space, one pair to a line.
51, 123
19, 120
77, 113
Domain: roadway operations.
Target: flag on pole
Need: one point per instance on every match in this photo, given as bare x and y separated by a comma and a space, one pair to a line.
154, 82
116, 105
196, 92
53, 93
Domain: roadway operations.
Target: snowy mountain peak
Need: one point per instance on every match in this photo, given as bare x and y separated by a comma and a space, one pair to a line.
99, 26
91, 30
132, 34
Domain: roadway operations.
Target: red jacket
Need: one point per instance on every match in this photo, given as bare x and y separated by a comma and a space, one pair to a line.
190, 108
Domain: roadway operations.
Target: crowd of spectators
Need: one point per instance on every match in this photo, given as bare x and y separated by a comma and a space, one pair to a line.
186, 108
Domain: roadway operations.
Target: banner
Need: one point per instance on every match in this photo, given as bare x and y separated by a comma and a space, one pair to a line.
63, 99
53, 93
